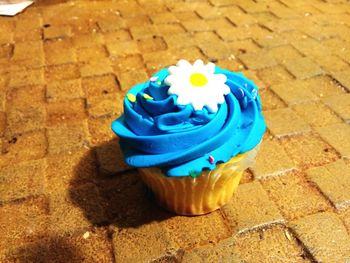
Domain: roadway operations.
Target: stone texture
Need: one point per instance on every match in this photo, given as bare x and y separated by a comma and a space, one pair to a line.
343, 78
243, 46
96, 68
258, 60
325, 237
64, 90
294, 196
25, 119
87, 40
152, 243
66, 137
331, 63
337, 135
293, 92
340, 105
24, 222
271, 160
87, 54
22, 180
151, 44
57, 32
316, 114
110, 158
282, 122
274, 75
224, 251
274, 244
309, 150
91, 246
323, 86
2, 123
333, 180
131, 78
246, 212
100, 129
129, 63
59, 52
61, 72
107, 105
188, 232
75, 209
70, 170
346, 218
121, 49
27, 77
284, 53
303, 68
64, 112
23, 147
100, 85
29, 53
310, 47
270, 101
26, 97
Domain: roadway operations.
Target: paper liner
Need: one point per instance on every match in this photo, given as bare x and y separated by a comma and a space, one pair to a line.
195, 196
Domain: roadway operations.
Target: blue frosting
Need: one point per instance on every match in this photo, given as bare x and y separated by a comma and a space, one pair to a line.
158, 132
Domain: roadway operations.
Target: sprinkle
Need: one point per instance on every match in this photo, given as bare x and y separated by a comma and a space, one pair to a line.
287, 234
153, 79
147, 97
254, 93
245, 85
159, 83
86, 235
131, 97
242, 92
211, 159
194, 174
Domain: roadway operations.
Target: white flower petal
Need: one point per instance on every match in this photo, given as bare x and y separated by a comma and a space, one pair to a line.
197, 105
212, 107
220, 99
173, 70
174, 89
210, 95
183, 64
220, 78
210, 68
169, 80
183, 100
198, 63
226, 89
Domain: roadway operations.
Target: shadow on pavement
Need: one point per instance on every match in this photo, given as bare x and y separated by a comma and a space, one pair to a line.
45, 250
118, 198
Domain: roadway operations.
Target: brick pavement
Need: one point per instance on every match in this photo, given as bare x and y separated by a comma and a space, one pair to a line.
67, 196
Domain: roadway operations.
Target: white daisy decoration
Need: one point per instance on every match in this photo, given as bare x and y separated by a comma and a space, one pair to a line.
197, 85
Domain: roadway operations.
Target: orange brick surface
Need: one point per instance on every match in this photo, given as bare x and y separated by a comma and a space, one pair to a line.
66, 194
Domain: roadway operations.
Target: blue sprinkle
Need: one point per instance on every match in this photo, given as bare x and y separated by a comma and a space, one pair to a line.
254, 93
242, 92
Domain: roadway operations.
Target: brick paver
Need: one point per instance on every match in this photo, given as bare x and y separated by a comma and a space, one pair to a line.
245, 212
333, 180
325, 237
66, 193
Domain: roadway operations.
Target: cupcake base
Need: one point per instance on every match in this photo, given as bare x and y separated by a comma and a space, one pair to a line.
203, 194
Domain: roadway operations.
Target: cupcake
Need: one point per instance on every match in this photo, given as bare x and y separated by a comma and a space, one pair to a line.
191, 130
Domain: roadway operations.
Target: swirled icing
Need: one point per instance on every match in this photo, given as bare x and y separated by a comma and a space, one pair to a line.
155, 131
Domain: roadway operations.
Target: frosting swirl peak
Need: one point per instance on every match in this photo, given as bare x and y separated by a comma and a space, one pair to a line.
189, 118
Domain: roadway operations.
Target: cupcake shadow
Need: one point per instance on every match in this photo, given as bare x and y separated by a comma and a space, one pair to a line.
49, 249
110, 193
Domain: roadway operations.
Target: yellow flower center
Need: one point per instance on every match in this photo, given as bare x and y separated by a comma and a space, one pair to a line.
198, 80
